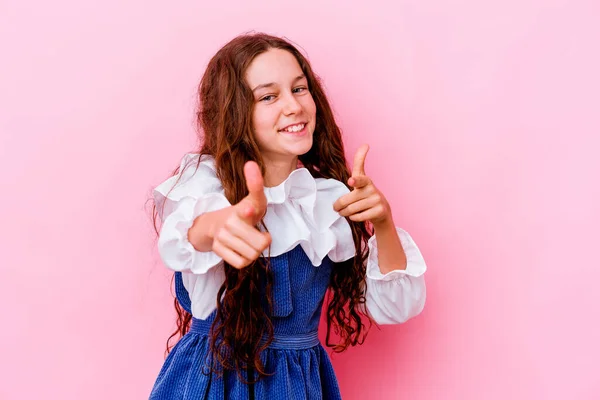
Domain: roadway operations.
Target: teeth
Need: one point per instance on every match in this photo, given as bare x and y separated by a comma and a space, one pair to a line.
294, 128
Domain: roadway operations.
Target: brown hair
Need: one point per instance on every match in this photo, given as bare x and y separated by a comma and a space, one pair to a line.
225, 122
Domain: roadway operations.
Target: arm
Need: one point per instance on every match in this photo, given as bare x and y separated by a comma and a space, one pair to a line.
391, 254
192, 208
202, 231
395, 296
395, 267
231, 232
200, 228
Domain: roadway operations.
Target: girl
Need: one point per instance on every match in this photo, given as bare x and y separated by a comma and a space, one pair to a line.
259, 225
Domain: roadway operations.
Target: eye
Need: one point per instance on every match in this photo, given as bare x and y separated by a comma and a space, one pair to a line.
267, 98
299, 89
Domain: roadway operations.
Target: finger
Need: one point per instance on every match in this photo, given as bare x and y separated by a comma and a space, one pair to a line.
255, 185
359, 160
359, 181
229, 256
258, 240
246, 211
368, 215
263, 240
238, 245
350, 198
359, 206
344, 200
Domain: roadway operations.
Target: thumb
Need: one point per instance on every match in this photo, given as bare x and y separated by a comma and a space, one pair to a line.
359, 160
255, 185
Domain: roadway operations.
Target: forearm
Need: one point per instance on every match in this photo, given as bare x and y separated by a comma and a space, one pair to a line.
390, 253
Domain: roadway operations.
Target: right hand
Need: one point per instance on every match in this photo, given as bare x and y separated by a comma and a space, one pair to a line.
236, 239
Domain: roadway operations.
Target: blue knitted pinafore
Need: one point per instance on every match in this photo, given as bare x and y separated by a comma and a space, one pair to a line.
300, 365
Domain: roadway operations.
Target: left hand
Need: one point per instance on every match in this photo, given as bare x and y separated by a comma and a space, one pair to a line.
365, 202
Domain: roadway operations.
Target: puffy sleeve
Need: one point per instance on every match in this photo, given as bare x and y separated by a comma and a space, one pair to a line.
194, 190
398, 295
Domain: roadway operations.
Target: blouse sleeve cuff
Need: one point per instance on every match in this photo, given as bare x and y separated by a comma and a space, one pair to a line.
174, 247
415, 263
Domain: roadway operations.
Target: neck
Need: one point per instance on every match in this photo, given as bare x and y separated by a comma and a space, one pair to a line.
277, 170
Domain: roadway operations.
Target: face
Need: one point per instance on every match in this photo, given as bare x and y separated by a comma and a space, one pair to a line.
284, 110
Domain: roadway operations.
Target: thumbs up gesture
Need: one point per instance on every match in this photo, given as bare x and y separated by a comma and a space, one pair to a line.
365, 202
236, 238
253, 207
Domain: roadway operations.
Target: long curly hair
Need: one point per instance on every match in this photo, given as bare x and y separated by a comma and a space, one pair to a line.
242, 328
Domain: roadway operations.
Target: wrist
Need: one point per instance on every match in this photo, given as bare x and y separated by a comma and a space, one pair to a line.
385, 224
202, 241
204, 229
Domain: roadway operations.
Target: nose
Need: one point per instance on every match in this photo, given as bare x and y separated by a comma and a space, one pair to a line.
291, 105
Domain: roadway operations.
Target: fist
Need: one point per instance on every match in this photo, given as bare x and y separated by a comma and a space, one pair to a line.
365, 202
236, 239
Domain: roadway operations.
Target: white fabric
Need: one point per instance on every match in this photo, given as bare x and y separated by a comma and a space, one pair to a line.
299, 211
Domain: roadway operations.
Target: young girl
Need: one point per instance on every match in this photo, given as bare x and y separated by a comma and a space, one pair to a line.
261, 224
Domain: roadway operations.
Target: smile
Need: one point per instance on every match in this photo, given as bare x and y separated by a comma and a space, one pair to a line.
293, 128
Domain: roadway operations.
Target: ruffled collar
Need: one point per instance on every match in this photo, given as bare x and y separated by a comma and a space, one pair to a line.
300, 212
299, 187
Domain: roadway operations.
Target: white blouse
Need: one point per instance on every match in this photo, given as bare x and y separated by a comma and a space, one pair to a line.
299, 212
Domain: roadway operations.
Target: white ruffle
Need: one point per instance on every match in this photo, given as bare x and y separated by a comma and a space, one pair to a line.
398, 295
179, 200
304, 206
193, 180
299, 212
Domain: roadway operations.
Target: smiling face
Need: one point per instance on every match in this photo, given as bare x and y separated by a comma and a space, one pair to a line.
284, 111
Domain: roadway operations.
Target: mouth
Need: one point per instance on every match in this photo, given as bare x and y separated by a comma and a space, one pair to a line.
296, 129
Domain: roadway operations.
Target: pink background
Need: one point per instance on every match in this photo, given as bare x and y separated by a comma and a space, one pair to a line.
483, 122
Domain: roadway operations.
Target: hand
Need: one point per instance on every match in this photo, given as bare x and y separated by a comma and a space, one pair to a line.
365, 202
236, 239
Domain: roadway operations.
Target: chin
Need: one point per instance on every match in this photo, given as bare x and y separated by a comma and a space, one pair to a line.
303, 148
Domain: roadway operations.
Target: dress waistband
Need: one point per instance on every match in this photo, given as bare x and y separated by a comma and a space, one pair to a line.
296, 341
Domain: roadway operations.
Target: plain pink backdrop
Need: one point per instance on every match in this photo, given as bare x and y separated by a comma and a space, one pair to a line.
483, 121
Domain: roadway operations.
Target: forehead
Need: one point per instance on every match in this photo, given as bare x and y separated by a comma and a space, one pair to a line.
273, 66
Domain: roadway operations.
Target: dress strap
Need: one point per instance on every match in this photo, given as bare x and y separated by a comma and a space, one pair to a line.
282, 286
182, 294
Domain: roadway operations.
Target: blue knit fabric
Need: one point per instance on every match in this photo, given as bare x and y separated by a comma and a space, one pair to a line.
300, 365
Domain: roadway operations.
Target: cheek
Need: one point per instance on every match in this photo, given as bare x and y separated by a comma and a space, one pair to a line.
263, 124
311, 107
260, 120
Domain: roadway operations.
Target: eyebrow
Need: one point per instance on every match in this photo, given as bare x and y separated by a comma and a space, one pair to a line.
266, 85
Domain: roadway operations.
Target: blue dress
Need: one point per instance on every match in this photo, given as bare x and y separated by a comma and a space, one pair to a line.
301, 366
